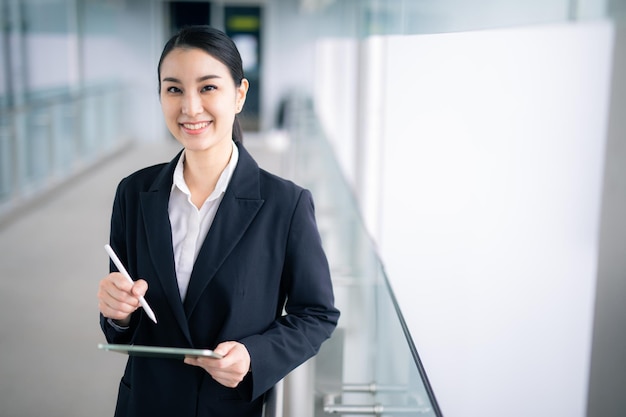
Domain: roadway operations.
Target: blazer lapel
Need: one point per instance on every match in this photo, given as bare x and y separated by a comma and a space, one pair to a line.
238, 208
154, 206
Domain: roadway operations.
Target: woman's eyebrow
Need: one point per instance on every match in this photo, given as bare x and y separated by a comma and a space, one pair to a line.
207, 77
200, 79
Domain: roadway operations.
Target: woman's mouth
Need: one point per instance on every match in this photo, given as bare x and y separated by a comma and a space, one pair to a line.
194, 128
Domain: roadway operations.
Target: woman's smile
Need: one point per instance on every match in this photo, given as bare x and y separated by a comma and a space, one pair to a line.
194, 128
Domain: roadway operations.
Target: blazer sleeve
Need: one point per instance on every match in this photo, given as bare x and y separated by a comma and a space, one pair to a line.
310, 315
118, 243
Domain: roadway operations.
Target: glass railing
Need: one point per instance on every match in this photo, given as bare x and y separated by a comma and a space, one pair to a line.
51, 138
370, 366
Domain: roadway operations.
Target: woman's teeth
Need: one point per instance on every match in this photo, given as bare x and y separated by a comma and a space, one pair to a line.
195, 126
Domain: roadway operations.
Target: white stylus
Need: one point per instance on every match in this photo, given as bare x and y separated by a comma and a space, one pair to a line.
121, 268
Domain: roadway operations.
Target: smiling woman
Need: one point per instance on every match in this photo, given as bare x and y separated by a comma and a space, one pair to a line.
200, 99
221, 248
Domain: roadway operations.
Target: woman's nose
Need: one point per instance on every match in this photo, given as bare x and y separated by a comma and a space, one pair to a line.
192, 104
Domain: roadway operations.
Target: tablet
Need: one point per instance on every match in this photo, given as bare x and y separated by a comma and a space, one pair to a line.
158, 351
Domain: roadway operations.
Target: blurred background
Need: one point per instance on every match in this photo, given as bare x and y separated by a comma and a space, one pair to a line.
467, 162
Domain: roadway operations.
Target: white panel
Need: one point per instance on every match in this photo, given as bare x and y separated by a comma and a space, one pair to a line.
335, 98
371, 104
493, 158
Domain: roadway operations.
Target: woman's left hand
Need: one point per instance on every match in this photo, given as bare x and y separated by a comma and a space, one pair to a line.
229, 370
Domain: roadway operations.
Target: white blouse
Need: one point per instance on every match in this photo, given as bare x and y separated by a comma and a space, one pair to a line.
190, 225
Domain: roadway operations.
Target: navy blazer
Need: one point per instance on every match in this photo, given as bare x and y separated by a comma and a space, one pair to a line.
261, 278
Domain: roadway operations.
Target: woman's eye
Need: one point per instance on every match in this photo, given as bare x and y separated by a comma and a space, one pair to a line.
208, 88
173, 90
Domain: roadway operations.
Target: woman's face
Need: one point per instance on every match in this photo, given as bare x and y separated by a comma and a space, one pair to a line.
199, 99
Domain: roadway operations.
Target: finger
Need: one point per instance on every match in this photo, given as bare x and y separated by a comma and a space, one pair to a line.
114, 308
140, 288
223, 370
114, 302
115, 296
194, 361
119, 281
210, 365
114, 313
236, 360
225, 348
191, 360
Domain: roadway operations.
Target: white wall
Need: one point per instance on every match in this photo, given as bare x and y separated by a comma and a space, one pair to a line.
608, 365
493, 152
288, 56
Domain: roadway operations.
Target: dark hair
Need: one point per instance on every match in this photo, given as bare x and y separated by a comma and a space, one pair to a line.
215, 43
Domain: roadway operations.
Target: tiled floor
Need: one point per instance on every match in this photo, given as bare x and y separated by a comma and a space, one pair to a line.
51, 259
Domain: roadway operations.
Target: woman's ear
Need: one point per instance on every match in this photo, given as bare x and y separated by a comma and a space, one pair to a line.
242, 92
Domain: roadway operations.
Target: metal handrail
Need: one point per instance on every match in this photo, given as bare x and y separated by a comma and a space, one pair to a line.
331, 407
63, 97
40, 151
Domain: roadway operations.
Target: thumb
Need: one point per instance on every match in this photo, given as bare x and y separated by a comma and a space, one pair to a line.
224, 348
139, 288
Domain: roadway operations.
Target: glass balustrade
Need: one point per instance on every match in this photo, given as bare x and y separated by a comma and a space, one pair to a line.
51, 138
370, 365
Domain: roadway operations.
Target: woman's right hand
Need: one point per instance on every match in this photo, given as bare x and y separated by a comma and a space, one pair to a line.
118, 298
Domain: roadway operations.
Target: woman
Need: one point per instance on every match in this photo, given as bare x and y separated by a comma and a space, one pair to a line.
228, 254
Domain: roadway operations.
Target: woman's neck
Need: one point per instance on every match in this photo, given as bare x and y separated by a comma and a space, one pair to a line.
202, 170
